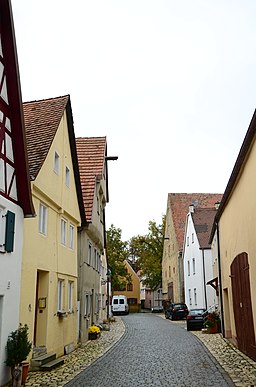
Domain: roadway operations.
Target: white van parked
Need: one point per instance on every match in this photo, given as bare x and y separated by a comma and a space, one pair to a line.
120, 305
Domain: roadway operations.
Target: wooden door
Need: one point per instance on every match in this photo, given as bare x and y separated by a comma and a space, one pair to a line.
241, 291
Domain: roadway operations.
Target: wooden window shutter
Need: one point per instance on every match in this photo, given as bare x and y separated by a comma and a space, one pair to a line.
9, 231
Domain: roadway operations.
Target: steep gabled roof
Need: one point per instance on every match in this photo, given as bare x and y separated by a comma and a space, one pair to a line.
238, 168
42, 119
13, 106
91, 153
179, 206
203, 220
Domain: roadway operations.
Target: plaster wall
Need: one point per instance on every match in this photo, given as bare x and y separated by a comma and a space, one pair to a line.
45, 258
170, 260
237, 234
200, 294
89, 285
10, 281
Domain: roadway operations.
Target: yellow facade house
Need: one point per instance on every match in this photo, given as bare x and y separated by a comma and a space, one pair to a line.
49, 269
132, 290
235, 236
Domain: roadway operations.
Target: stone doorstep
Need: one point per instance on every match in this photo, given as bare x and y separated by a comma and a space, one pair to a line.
52, 364
39, 361
38, 351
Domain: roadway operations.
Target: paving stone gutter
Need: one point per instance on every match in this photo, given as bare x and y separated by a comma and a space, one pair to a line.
240, 368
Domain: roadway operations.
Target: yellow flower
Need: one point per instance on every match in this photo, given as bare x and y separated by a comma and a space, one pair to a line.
93, 329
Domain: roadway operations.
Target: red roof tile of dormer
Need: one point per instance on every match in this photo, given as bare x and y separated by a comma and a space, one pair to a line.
91, 152
179, 205
203, 220
42, 119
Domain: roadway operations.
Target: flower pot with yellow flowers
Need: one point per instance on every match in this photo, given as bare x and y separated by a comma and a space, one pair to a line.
93, 332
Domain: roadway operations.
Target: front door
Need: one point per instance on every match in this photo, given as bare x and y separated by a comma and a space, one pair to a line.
41, 309
241, 291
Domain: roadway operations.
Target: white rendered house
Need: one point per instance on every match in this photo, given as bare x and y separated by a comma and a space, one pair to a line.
15, 195
197, 259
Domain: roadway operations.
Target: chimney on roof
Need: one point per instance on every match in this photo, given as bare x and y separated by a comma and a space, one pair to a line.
216, 205
191, 208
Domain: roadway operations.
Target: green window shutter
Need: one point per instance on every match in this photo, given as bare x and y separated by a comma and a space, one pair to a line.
9, 231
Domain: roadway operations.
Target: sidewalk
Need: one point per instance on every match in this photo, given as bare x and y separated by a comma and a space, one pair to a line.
240, 368
79, 359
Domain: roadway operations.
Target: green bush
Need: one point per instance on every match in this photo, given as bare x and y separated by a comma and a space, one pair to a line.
18, 346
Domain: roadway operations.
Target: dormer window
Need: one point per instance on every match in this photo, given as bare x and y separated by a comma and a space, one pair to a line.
56, 163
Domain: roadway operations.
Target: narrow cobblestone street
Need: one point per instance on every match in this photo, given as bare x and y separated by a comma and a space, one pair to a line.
154, 352
147, 353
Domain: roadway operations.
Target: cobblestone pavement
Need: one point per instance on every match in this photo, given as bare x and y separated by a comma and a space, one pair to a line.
240, 368
154, 352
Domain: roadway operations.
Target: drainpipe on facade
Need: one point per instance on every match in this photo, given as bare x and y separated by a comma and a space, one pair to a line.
220, 282
205, 298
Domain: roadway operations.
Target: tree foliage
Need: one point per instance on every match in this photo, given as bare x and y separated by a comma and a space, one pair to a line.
18, 346
117, 253
146, 252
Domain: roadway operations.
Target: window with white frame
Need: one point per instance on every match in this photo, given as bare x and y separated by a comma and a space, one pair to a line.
192, 237
71, 236
42, 219
70, 296
187, 241
63, 231
194, 265
189, 297
195, 296
188, 268
89, 254
56, 163
87, 306
60, 295
67, 176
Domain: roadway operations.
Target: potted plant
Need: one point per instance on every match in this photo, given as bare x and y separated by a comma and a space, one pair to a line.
17, 350
93, 332
212, 322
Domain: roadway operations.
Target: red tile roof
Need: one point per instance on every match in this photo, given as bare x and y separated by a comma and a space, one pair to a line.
179, 205
42, 119
203, 220
91, 152
236, 173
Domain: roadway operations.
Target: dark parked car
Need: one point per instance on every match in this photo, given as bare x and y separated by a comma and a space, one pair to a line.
157, 309
177, 311
195, 319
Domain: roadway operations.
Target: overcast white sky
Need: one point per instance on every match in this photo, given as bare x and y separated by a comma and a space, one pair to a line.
172, 84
